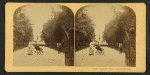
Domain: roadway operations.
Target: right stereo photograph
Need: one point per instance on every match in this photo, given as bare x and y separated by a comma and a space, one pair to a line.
105, 36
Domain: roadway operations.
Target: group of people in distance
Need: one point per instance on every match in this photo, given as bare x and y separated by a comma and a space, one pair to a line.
34, 46
95, 46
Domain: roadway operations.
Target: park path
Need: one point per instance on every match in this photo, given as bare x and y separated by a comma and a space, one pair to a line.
110, 58
50, 57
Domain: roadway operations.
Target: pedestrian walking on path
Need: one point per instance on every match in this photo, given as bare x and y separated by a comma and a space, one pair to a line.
59, 47
120, 48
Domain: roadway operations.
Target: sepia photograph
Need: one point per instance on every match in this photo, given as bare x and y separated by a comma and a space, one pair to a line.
105, 36
75, 37
43, 35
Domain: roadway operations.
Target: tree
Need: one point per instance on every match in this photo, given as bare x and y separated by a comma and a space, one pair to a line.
84, 26
54, 29
22, 31
115, 29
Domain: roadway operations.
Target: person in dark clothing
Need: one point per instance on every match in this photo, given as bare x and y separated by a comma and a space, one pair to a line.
120, 48
37, 47
98, 48
59, 47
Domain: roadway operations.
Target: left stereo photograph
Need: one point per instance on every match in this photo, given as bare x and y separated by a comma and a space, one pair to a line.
43, 35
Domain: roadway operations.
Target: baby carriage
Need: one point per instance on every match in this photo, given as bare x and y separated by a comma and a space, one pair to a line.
95, 48
99, 50
38, 50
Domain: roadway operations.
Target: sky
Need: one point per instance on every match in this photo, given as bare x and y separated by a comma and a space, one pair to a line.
40, 14
100, 15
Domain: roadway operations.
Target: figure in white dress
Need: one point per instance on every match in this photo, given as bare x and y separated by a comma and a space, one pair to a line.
30, 50
92, 48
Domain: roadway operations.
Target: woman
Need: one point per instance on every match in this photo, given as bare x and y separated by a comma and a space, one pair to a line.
59, 47
30, 50
120, 48
92, 48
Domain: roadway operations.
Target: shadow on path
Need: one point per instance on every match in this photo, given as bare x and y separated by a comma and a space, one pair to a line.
80, 48
19, 48
123, 50
63, 49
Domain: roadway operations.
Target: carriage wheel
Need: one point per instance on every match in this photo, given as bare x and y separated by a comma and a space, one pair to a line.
34, 52
41, 52
38, 52
102, 52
